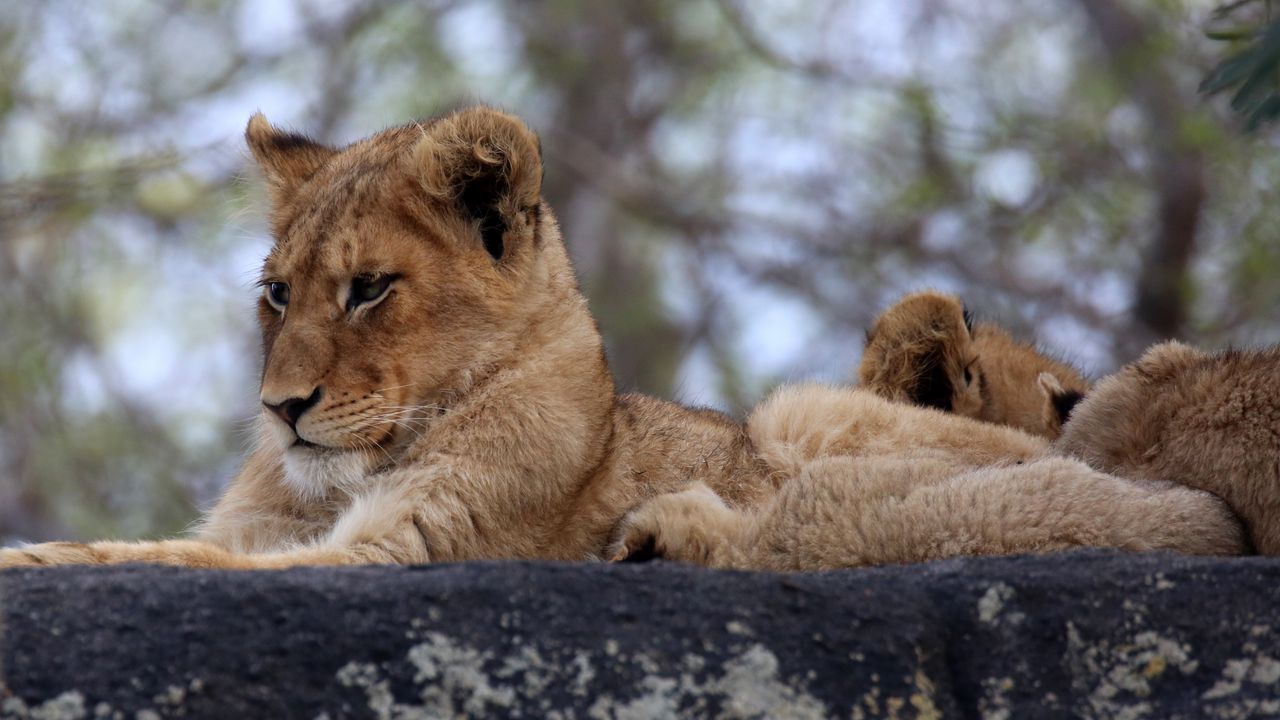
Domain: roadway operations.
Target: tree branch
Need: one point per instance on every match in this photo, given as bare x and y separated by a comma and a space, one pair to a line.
1160, 306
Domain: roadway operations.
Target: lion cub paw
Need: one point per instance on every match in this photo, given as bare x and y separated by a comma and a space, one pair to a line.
692, 526
53, 553
14, 558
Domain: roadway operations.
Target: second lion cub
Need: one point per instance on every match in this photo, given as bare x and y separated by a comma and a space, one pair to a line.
926, 350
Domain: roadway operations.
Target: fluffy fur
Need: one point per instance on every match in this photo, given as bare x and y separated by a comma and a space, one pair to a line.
435, 389
1206, 420
864, 481
926, 350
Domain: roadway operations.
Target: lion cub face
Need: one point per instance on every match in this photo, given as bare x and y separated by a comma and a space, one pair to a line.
400, 269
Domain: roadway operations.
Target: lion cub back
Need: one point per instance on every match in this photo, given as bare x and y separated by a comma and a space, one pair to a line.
1206, 420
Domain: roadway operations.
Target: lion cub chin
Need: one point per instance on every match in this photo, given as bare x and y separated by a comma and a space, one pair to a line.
310, 470
313, 472
419, 309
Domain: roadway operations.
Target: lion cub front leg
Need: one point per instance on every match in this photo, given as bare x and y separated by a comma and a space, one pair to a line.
377, 529
825, 518
186, 553
202, 555
693, 526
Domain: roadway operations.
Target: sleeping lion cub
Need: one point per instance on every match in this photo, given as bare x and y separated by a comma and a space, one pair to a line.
926, 350
434, 388
1207, 420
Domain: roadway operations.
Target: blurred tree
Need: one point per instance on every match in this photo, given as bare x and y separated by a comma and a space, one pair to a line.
1176, 173
742, 185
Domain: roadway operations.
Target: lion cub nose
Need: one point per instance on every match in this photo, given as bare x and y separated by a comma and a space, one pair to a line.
290, 410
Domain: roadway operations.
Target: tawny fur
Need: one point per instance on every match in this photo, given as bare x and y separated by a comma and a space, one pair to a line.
1206, 420
468, 412
868, 481
924, 350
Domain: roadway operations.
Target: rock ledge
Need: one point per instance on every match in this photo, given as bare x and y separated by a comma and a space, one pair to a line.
1089, 634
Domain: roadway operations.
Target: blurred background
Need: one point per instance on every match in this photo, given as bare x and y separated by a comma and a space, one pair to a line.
743, 186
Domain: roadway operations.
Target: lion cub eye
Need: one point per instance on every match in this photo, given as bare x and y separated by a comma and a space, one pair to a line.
278, 295
366, 289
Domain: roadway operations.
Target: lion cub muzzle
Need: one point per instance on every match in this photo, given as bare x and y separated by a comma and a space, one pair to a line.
291, 409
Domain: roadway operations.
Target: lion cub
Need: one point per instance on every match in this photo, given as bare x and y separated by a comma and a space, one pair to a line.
1206, 420
434, 388
926, 350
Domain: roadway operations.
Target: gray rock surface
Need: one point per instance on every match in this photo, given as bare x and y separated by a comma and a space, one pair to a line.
1086, 634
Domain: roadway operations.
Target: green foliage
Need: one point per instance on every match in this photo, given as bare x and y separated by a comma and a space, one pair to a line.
1252, 69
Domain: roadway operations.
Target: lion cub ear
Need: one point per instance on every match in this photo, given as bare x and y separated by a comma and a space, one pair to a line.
1058, 401
1165, 359
489, 165
920, 350
287, 159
